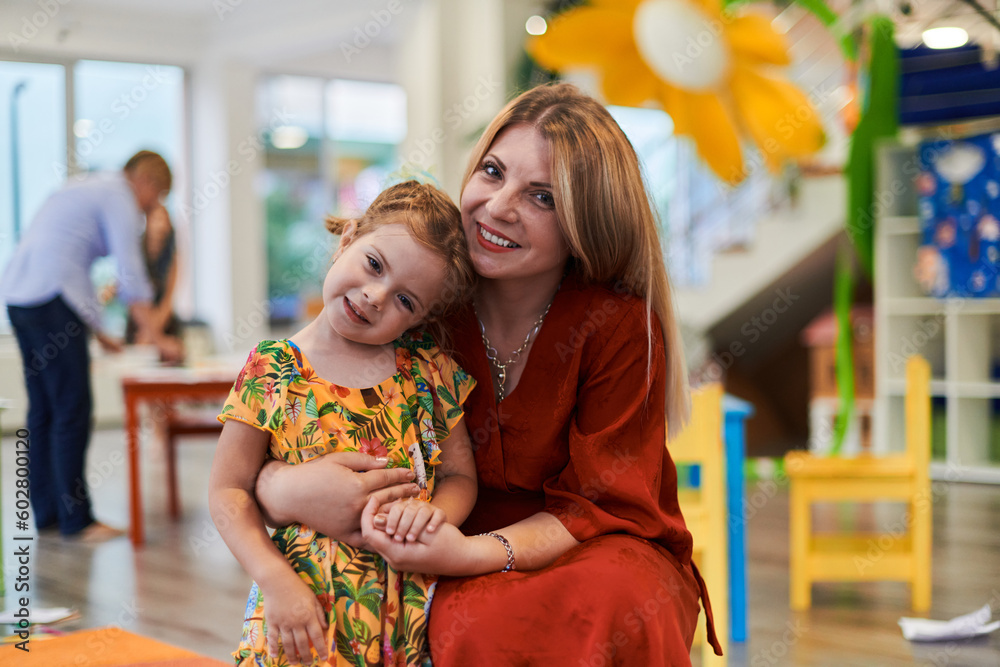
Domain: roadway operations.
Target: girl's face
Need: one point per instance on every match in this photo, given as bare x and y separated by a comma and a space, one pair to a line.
508, 211
381, 284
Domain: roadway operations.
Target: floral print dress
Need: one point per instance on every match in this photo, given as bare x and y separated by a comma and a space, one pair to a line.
377, 616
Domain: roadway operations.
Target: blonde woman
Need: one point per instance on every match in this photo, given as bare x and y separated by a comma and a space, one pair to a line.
576, 551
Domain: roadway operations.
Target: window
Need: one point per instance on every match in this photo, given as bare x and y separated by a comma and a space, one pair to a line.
330, 147
116, 109
32, 144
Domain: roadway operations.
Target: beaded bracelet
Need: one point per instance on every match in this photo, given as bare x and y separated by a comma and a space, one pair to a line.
506, 545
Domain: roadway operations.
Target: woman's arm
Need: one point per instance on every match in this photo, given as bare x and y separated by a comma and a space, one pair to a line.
328, 493
295, 616
165, 307
536, 542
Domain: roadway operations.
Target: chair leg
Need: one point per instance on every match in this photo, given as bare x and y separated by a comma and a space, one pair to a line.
800, 584
173, 502
921, 536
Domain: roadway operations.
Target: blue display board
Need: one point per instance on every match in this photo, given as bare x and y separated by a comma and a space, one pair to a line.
959, 204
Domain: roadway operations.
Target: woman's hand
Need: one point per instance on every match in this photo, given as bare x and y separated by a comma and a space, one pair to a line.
445, 551
295, 619
329, 493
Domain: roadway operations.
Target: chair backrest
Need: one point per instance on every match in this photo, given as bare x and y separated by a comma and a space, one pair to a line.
700, 443
918, 414
689, 446
705, 512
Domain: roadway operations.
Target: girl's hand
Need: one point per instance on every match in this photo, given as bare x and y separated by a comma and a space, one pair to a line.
445, 551
295, 619
410, 519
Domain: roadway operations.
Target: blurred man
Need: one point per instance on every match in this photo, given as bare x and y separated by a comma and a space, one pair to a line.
52, 306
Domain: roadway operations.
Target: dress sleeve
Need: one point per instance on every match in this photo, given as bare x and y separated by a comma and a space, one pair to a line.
258, 395
442, 387
619, 478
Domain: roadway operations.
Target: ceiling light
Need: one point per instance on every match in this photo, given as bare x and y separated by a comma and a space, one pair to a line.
83, 127
289, 136
945, 38
536, 25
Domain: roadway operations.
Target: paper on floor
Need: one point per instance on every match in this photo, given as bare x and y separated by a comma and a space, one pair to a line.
961, 627
41, 615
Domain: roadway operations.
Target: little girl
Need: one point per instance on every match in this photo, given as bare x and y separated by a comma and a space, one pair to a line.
356, 379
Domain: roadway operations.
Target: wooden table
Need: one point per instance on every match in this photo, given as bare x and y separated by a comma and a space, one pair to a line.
165, 387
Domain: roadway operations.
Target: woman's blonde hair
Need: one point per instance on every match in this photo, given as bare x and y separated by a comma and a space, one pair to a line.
603, 210
434, 221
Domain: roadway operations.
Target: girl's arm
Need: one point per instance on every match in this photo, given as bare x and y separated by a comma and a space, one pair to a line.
294, 614
455, 487
455, 491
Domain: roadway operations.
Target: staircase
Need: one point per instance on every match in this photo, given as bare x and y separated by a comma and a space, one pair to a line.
781, 241
754, 254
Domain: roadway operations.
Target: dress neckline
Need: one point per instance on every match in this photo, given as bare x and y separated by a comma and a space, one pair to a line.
527, 370
303, 361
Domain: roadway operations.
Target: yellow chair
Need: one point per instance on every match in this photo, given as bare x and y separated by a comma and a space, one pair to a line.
704, 509
901, 477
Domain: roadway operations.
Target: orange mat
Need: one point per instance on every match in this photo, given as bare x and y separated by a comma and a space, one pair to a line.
102, 647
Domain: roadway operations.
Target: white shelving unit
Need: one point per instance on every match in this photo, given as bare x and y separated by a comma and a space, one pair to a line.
960, 337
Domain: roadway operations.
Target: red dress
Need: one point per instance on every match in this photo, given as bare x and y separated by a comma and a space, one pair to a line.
582, 436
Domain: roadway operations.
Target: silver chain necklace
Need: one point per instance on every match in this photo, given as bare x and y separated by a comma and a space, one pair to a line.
491, 352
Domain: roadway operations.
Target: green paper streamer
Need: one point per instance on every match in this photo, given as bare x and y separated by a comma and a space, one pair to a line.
843, 290
879, 120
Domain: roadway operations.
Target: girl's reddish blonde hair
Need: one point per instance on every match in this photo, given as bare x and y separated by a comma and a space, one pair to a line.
435, 222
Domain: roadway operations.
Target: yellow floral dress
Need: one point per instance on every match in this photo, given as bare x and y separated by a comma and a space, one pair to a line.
377, 616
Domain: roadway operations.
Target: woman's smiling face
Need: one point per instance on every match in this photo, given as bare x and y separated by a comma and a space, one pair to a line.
508, 210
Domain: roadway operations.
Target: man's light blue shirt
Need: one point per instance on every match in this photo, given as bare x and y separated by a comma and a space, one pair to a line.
88, 218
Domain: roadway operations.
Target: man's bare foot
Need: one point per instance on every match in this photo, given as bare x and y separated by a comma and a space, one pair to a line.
97, 532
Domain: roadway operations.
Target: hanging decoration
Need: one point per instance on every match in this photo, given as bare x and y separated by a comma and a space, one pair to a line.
879, 120
714, 70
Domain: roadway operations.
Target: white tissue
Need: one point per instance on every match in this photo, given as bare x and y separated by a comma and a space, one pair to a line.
961, 627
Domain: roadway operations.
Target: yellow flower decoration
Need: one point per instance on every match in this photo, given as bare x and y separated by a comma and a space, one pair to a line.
707, 68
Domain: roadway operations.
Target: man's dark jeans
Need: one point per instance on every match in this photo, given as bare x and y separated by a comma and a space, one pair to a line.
53, 342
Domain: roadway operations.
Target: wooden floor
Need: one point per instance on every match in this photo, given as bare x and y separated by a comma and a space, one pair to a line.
185, 588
